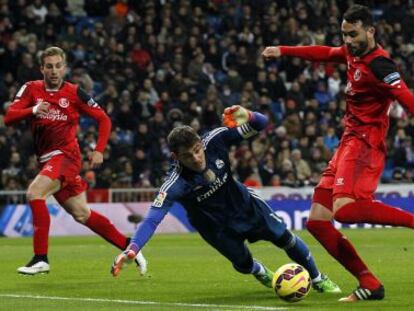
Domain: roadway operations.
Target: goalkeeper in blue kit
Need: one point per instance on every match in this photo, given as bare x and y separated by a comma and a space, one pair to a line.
224, 212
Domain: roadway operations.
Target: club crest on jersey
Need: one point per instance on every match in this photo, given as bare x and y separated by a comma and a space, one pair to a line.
219, 163
357, 75
159, 200
64, 102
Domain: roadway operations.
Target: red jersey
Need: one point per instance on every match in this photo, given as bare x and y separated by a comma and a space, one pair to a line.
55, 133
373, 84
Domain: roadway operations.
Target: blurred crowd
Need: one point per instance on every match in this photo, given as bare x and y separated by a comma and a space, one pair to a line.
156, 64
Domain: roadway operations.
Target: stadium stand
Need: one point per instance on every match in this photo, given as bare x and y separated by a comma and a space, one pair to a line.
153, 65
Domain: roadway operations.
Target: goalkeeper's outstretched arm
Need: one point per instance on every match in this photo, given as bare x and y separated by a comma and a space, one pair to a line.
141, 237
245, 122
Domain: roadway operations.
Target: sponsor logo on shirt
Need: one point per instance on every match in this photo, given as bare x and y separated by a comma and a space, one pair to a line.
159, 200
54, 115
357, 75
348, 89
64, 102
217, 184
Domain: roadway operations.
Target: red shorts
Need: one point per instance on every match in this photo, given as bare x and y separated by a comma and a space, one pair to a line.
67, 171
354, 170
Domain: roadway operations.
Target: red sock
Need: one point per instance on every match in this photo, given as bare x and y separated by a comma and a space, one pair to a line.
374, 212
41, 224
342, 250
106, 229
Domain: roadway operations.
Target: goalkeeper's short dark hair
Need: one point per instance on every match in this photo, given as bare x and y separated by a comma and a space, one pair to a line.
182, 136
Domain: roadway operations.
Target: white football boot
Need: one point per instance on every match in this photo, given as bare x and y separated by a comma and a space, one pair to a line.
37, 268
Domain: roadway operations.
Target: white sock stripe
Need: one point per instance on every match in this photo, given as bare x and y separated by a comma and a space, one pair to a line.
362, 293
358, 294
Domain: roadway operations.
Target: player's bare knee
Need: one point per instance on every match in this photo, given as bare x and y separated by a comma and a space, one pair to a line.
80, 216
319, 212
32, 194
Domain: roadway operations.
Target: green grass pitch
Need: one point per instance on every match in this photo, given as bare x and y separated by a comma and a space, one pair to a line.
187, 274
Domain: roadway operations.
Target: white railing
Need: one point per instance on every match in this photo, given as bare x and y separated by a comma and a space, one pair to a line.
132, 194
12, 196
114, 195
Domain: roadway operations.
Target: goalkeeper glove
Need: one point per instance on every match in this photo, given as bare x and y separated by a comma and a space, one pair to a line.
236, 115
126, 257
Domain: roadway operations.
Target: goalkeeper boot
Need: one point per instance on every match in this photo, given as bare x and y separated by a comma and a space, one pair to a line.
126, 257
265, 278
326, 285
37, 265
365, 294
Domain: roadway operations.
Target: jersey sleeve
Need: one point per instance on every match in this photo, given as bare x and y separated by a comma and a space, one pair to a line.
88, 106
169, 193
316, 53
390, 81
21, 107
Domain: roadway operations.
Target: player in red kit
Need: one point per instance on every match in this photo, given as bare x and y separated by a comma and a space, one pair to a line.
53, 107
345, 192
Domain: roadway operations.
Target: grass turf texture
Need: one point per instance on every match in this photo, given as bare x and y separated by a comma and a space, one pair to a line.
187, 274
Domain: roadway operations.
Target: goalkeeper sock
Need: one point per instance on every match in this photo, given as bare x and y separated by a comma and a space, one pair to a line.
317, 279
299, 252
106, 229
374, 212
41, 224
258, 268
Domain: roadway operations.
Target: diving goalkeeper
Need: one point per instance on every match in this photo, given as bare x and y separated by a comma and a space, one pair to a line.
223, 210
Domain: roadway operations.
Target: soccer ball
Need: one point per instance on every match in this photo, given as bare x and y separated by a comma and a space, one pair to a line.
291, 282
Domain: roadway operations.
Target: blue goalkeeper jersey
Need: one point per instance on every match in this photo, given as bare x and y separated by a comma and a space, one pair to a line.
223, 202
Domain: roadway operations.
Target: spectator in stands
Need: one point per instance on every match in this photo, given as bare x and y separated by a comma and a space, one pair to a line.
132, 46
330, 140
300, 166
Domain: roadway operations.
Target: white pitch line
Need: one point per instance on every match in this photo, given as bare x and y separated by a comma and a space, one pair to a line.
139, 302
